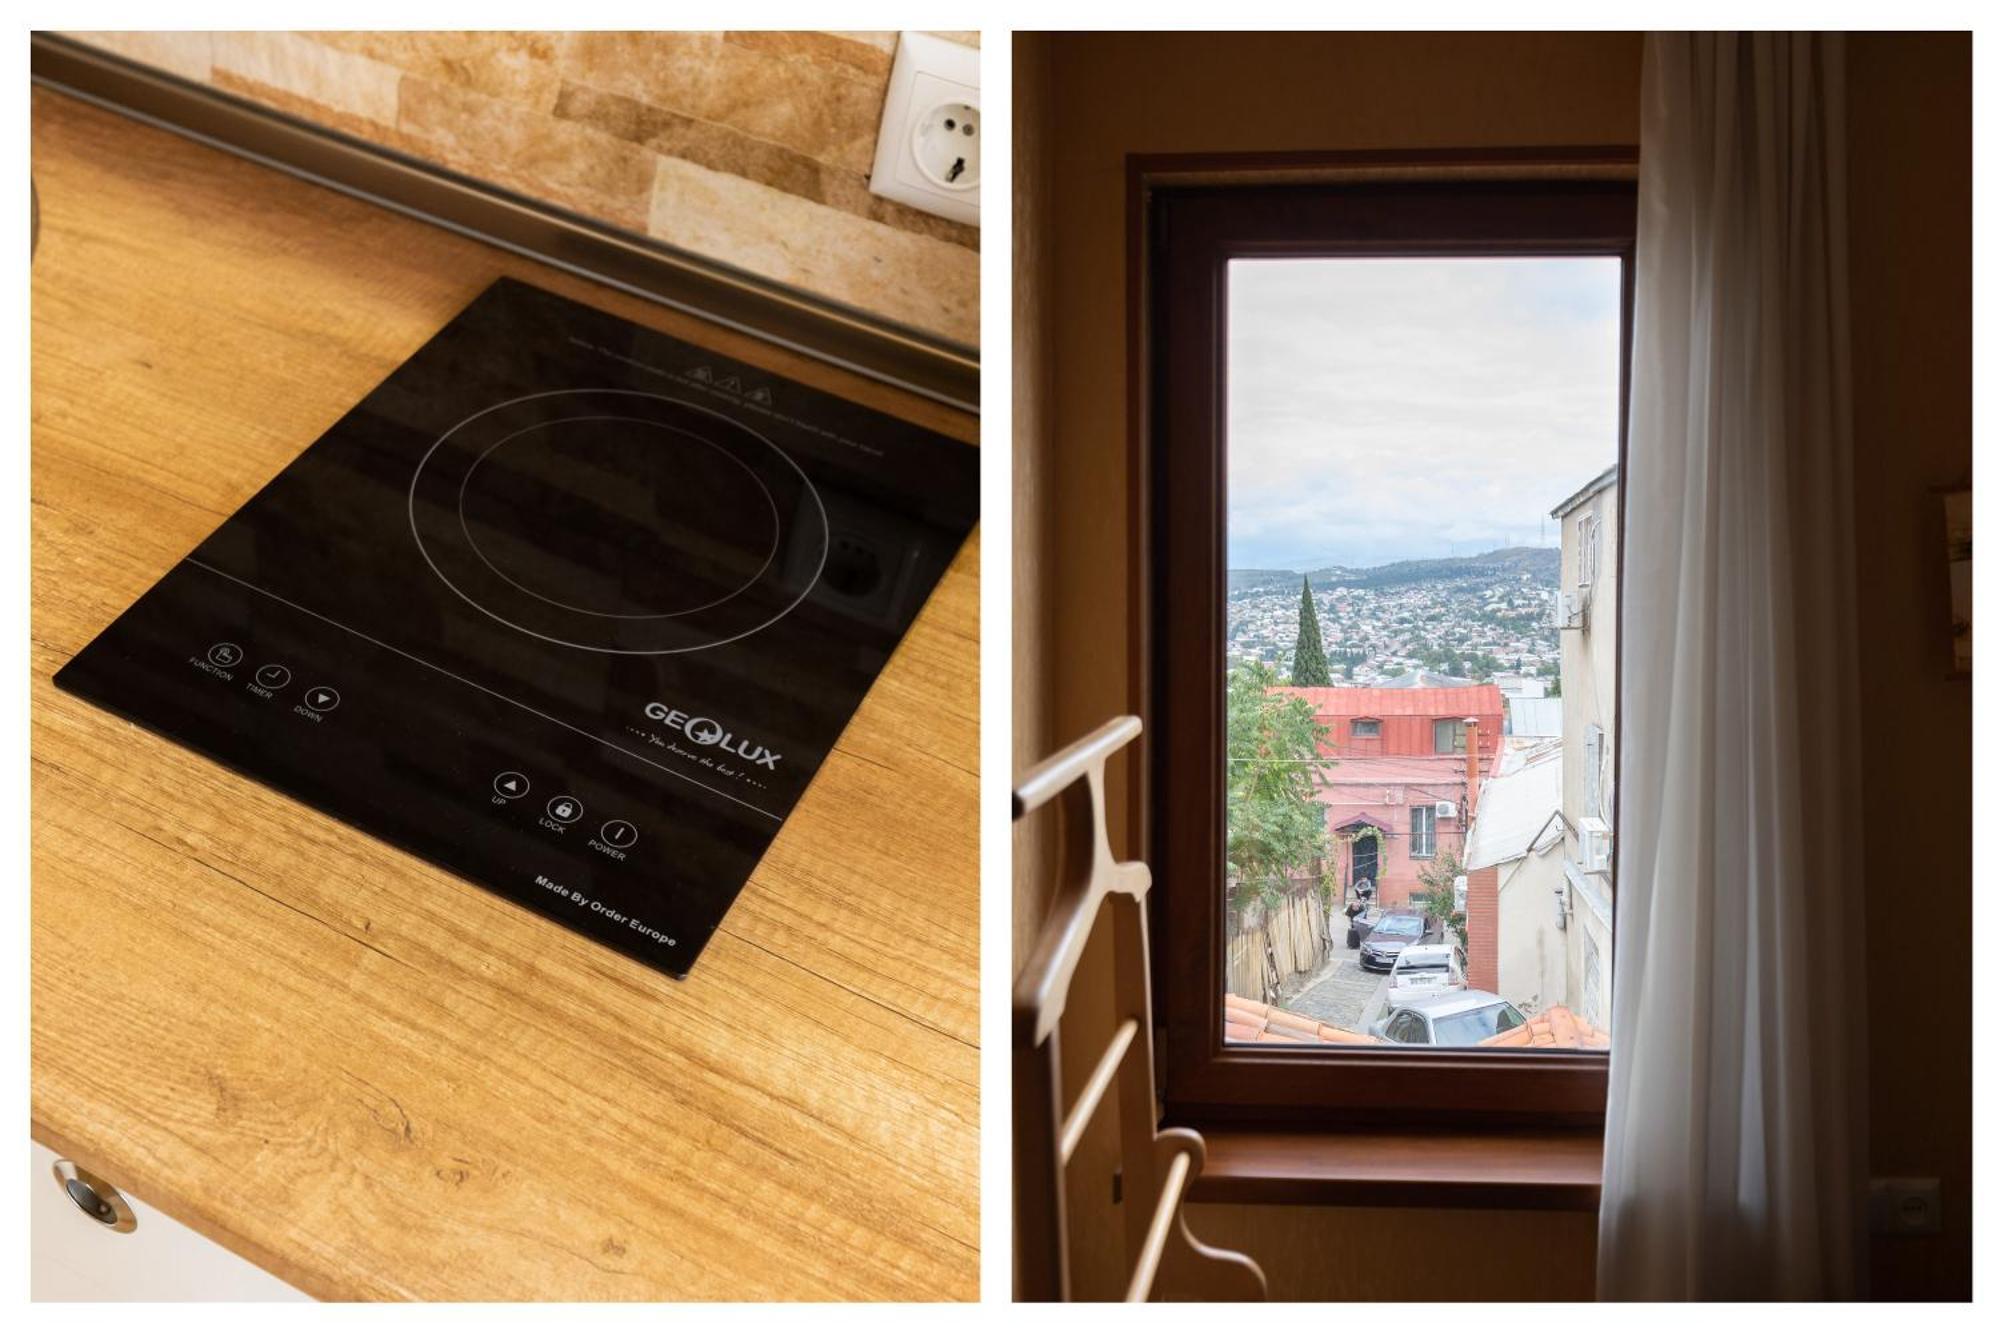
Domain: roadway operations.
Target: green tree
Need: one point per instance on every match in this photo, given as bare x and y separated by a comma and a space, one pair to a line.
1275, 828
1309, 657
1439, 896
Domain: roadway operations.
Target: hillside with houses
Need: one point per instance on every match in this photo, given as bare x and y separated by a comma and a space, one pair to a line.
1469, 617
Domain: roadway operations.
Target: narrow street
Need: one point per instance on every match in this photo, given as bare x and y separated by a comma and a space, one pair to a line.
1342, 993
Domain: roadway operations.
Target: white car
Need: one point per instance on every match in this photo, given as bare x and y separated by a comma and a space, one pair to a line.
1425, 971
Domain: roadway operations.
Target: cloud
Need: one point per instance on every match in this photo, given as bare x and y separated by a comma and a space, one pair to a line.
1384, 409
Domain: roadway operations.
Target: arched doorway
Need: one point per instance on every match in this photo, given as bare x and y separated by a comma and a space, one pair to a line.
1365, 858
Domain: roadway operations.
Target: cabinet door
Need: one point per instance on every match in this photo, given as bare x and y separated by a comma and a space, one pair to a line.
74, 1258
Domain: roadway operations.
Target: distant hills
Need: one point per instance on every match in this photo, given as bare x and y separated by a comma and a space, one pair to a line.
1542, 564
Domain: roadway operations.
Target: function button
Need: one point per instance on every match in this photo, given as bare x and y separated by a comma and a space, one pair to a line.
510, 783
620, 833
323, 698
564, 808
273, 676
225, 654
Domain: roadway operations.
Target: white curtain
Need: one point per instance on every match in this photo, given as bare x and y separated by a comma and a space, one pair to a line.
1735, 1134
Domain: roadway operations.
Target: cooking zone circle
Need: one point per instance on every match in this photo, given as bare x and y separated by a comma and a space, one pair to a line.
618, 521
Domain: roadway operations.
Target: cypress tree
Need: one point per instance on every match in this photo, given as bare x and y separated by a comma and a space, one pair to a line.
1309, 657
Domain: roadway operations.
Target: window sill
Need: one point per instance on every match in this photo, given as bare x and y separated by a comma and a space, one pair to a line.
1433, 1168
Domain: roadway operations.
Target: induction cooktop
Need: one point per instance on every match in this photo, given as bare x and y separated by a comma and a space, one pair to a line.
566, 606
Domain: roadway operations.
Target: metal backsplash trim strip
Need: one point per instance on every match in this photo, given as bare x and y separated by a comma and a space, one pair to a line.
894, 354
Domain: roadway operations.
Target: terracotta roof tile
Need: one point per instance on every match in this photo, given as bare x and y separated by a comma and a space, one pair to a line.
1556, 1027
1247, 1021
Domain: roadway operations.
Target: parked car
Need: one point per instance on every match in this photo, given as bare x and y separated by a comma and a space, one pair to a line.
1452, 1020
1423, 971
1395, 929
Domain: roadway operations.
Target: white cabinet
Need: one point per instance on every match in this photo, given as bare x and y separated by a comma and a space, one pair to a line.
77, 1259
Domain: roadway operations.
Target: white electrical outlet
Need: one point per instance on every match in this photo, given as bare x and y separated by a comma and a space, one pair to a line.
927, 154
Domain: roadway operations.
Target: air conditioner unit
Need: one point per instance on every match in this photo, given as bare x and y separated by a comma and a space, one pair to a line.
1572, 611
1447, 810
1594, 840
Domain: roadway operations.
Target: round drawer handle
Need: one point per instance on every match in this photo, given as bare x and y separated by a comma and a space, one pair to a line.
95, 1197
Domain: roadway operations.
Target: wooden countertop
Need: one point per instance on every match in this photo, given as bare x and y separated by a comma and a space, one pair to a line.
272, 1026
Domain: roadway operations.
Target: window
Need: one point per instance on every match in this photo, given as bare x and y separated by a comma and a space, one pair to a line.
1407, 1027
1423, 832
1366, 400
1464, 1029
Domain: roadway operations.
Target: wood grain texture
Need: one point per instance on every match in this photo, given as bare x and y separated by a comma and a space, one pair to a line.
1330, 1254
1438, 1168
368, 1076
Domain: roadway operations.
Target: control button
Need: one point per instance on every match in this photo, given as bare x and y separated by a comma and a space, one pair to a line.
323, 698
564, 808
510, 783
273, 676
620, 833
225, 654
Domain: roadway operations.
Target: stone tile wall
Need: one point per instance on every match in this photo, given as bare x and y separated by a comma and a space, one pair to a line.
752, 148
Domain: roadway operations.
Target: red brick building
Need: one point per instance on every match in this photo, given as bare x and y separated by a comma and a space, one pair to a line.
1401, 770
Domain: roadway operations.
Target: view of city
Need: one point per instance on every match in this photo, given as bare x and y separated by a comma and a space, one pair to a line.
1420, 778
1462, 617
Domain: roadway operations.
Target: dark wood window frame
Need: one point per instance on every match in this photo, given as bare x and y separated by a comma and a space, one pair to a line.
1188, 217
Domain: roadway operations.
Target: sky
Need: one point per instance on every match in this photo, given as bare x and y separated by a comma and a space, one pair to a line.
1391, 409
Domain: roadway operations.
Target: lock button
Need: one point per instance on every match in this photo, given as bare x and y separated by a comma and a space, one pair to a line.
564, 809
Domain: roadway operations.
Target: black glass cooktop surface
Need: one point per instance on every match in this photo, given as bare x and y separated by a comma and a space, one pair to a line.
567, 606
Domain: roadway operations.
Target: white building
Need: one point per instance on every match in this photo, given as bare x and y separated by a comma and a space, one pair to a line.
1519, 830
1587, 614
1527, 717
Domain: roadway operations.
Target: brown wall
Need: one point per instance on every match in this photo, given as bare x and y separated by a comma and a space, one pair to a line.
1329, 1254
1114, 94
1910, 214
753, 148
1034, 442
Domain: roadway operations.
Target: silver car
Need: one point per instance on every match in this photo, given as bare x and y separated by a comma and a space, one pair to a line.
1454, 1020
